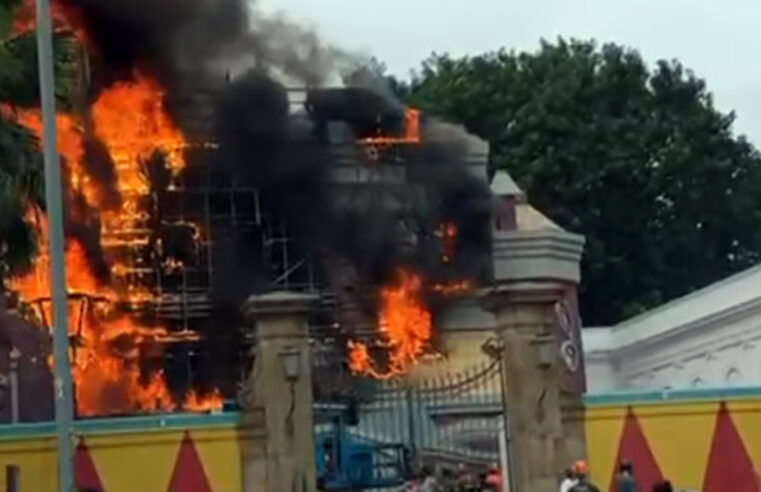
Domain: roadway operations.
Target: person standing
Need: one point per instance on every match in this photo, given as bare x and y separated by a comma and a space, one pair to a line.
581, 471
429, 483
464, 481
568, 480
494, 478
625, 479
410, 486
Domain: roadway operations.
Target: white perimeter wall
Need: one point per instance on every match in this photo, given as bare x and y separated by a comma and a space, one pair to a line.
709, 338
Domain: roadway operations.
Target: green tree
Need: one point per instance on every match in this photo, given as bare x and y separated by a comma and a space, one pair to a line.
20, 163
636, 159
20, 183
21, 180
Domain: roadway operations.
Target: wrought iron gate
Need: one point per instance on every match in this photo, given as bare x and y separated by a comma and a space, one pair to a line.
402, 424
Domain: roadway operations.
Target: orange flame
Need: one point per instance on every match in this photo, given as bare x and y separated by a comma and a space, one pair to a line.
360, 360
35, 285
107, 347
131, 121
195, 402
405, 328
452, 288
404, 320
69, 135
411, 131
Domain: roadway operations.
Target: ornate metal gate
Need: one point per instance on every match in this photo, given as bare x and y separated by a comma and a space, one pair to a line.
402, 424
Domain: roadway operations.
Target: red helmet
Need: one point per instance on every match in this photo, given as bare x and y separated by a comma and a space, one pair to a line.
581, 467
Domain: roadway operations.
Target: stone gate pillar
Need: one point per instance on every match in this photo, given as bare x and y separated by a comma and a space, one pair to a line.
536, 269
530, 383
279, 394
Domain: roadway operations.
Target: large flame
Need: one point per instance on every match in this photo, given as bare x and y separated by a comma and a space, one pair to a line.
131, 121
108, 348
405, 328
404, 321
69, 134
129, 118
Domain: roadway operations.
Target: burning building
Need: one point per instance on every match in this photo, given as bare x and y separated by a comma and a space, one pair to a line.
196, 176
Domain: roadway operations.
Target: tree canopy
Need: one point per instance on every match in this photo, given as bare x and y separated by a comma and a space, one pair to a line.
21, 177
20, 163
636, 158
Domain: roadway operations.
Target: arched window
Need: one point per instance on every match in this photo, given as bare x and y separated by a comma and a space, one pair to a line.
697, 383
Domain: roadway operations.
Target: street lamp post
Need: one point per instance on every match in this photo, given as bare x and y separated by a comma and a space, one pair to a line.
54, 204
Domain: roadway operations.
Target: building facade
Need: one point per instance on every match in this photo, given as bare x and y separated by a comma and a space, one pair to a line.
709, 338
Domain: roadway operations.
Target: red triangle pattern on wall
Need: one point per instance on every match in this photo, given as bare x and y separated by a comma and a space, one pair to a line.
188, 474
729, 468
85, 474
634, 448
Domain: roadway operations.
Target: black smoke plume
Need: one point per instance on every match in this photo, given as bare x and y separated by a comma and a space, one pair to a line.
191, 45
364, 211
223, 65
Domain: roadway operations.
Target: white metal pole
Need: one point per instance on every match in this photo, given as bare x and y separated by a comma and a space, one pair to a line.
504, 462
54, 205
15, 405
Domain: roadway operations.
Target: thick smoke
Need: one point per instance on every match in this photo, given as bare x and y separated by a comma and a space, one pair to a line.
459, 196
190, 45
239, 57
209, 56
393, 215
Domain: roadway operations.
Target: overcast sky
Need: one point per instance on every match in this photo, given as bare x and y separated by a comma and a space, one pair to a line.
719, 39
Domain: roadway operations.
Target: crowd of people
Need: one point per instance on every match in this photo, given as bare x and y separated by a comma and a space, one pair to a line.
464, 480
576, 479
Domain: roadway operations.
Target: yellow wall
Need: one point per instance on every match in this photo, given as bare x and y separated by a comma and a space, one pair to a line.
679, 434
603, 431
36, 459
130, 461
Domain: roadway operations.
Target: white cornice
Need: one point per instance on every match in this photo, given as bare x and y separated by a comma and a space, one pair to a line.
621, 344
732, 327
731, 291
